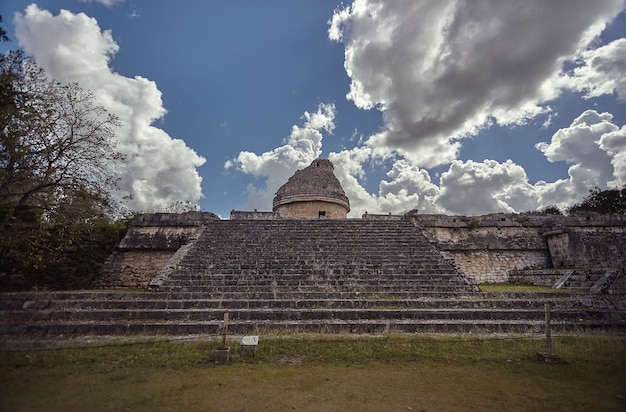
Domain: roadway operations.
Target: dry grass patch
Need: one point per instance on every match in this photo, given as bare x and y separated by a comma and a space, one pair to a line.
322, 373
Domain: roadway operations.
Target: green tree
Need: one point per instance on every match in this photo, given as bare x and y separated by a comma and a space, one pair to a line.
3, 33
56, 143
610, 201
550, 210
58, 165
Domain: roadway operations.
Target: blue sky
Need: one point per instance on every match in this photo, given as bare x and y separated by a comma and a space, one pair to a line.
449, 107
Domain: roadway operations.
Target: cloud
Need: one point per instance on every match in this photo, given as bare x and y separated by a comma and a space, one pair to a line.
614, 143
406, 187
594, 146
440, 71
108, 3
602, 71
72, 48
303, 145
486, 187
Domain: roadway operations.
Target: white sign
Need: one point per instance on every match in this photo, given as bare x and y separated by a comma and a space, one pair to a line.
250, 340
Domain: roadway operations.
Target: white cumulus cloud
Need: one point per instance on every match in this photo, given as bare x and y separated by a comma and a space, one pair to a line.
442, 70
72, 48
614, 143
602, 71
486, 187
407, 186
594, 146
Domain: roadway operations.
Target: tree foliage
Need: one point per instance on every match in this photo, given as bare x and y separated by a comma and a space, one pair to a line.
58, 256
177, 206
551, 210
56, 144
548, 210
610, 201
3, 33
58, 165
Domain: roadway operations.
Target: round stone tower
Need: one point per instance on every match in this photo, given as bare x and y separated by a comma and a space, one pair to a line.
313, 192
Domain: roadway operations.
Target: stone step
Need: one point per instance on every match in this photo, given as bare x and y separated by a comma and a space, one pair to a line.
261, 276
162, 302
235, 268
212, 262
340, 257
54, 329
213, 281
125, 312
40, 300
235, 314
379, 255
266, 249
321, 287
190, 304
206, 273
310, 248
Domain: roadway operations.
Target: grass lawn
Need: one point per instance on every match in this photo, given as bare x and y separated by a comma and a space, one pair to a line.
322, 373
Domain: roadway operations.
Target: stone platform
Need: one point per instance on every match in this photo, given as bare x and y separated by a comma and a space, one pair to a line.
331, 276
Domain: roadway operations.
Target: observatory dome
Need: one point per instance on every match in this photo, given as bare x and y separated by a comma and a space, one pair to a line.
313, 192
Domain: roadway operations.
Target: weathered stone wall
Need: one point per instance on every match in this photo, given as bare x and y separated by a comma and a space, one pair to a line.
152, 239
253, 215
489, 247
371, 216
617, 285
133, 268
609, 281
490, 237
588, 246
173, 219
486, 248
311, 210
494, 266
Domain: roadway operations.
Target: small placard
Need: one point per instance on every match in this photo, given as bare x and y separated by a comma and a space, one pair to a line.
250, 340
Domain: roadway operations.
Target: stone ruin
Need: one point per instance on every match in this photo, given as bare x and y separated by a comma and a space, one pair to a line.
313, 192
306, 267
579, 250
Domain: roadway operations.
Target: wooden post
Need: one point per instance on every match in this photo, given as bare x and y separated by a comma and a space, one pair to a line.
222, 353
548, 331
225, 329
548, 356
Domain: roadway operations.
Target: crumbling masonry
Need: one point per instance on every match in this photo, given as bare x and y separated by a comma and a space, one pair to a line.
585, 251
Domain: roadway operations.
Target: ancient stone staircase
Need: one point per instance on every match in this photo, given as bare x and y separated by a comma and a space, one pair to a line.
70, 314
335, 276
322, 255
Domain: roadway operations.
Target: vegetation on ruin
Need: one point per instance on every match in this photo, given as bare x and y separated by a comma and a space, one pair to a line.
548, 210
610, 201
471, 222
57, 176
291, 372
57, 256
